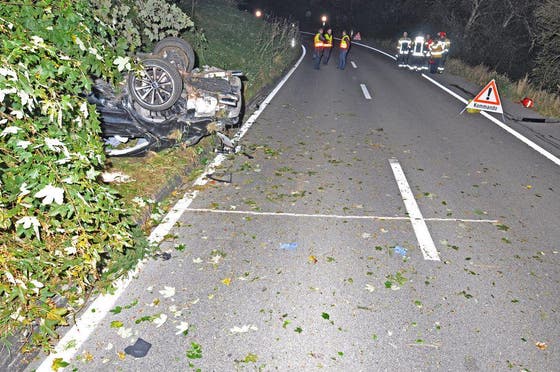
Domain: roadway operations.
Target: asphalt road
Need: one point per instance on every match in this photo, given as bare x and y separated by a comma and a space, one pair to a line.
294, 265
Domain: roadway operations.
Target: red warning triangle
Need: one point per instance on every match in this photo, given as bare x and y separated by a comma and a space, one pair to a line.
487, 100
489, 94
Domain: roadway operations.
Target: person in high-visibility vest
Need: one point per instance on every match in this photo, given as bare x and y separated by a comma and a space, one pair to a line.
318, 45
344, 46
428, 41
403, 49
417, 54
446, 46
436, 51
327, 46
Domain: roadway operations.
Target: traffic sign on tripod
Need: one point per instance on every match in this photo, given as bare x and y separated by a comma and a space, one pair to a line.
487, 100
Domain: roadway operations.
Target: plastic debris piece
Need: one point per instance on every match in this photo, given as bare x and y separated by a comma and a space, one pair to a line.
288, 246
400, 250
139, 349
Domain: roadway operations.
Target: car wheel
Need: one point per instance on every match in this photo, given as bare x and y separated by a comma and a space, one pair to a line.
157, 87
176, 51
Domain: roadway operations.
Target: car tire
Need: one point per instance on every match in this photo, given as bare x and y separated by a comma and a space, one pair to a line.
157, 87
176, 51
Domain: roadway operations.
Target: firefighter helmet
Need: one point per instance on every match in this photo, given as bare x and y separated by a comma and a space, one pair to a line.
442, 34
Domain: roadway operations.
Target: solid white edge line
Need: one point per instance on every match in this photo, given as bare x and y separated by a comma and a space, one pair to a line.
377, 50
99, 308
502, 125
353, 64
333, 216
419, 226
365, 91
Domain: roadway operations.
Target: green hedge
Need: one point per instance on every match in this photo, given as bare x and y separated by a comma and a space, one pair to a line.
59, 225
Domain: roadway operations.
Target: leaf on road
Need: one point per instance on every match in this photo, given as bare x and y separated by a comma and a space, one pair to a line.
312, 259
244, 329
250, 358
195, 352
298, 330
325, 316
370, 288
116, 324
541, 345
122, 355
59, 363
197, 260
226, 281
158, 321
167, 292
183, 328
124, 332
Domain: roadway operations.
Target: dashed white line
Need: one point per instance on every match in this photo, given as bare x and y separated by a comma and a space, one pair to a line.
353, 64
423, 236
365, 91
69, 344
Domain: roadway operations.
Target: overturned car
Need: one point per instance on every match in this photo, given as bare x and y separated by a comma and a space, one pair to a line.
167, 103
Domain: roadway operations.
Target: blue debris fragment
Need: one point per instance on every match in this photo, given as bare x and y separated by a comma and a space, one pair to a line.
288, 246
400, 250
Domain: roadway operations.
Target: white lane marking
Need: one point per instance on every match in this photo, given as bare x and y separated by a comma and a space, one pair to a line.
99, 308
365, 91
502, 125
333, 216
353, 64
377, 50
423, 236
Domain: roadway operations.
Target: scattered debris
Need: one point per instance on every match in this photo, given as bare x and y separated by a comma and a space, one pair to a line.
288, 246
139, 349
400, 250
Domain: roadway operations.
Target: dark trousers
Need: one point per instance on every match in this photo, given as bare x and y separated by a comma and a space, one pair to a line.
317, 54
342, 59
434, 65
326, 55
402, 59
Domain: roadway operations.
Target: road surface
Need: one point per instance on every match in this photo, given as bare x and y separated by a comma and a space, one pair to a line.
388, 233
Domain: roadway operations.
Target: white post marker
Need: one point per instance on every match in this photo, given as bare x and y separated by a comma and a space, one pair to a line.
365, 91
353, 64
423, 236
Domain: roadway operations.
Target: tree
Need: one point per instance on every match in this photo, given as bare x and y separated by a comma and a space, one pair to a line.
547, 64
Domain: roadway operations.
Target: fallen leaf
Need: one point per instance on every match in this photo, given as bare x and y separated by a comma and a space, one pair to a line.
226, 281
541, 345
121, 355
158, 321
197, 260
88, 357
313, 259
370, 288
124, 332
244, 329
183, 328
529, 187
167, 292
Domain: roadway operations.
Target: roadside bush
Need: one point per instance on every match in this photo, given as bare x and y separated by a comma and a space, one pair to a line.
59, 225
141, 22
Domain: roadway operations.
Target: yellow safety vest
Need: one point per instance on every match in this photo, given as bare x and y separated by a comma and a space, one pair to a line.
317, 42
328, 42
344, 42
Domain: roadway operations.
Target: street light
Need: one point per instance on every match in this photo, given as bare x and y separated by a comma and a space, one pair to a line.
258, 13
324, 19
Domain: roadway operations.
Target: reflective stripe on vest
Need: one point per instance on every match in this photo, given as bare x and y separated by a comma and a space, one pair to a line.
328, 42
404, 45
344, 42
317, 42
